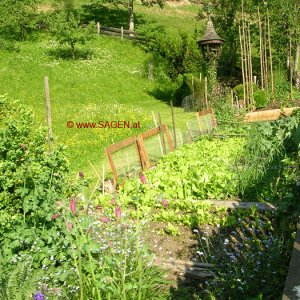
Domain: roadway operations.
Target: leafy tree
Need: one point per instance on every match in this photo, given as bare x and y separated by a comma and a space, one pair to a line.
17, 20
66, 27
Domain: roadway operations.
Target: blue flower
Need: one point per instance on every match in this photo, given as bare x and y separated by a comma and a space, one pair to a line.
39, 296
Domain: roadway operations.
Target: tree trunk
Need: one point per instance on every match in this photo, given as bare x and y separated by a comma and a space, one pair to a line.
131, 16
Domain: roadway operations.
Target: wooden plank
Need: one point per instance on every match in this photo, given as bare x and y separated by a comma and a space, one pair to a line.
118, 30
143, 153
112, 166
150, 132
167, 132
188, 263
117, 146
235, 204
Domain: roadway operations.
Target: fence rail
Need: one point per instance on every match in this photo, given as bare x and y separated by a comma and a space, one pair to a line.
121, 32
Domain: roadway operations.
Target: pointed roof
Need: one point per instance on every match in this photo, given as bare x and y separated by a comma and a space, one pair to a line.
210, 36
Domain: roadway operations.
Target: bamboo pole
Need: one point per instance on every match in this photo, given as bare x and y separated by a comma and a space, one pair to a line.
173, 123
265, 56
260, 51
161, 131
242, 63
250, 66
270, 55
48, 110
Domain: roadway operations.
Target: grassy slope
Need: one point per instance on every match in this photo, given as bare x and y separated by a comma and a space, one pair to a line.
111, 85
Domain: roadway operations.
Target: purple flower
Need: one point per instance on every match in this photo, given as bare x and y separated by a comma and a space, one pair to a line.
81, 174
104, 219
118, 212
55, 216
39, 296
164, 203
70, 226
143, 178
113, 201
73, 205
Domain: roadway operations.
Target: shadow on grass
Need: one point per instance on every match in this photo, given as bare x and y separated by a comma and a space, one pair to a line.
66, 53
109, 15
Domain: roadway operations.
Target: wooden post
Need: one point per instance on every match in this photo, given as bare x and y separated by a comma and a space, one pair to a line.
162, 134
173, 123
205, 92
48, 109
261, 51
103, 179
232, 99
159, 139
200, 77
98, 28
270, 55
122, 32
242, 63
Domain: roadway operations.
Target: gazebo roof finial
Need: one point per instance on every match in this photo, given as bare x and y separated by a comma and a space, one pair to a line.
210, 36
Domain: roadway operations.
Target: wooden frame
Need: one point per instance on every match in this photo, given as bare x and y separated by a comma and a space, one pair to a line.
140, 148
205, 112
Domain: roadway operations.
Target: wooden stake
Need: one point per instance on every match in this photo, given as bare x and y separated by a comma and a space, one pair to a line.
250, 66
159, 139
98, 28
162, 134
173, 123
48, 110
265, 56
103, 178
260, 51
232, 99
205, 92
270, 55
122, 33
242, 63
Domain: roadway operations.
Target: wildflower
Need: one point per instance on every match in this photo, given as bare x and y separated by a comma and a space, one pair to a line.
118, 212
164, 203
104, 219
73, 205
113, 201
55, 216
226, 241
39, 296
70, 226
195, 230
200, 253
143, 178
81, 174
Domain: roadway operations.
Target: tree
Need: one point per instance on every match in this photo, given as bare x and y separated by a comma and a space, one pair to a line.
17, 19
65, 26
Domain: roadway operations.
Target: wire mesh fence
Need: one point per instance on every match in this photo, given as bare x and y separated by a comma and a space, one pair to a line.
133, 155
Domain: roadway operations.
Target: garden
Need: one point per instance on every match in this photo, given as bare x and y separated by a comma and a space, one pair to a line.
215, 217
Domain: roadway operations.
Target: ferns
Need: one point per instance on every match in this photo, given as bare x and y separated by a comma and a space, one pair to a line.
19, 284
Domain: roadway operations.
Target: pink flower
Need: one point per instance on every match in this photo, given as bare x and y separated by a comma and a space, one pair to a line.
55, 216
118, 212
70, 226
113, 201
164, 203
143, 178
73, 205
104, 219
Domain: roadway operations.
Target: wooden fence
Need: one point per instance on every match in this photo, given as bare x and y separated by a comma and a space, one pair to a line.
121, 32
142, 149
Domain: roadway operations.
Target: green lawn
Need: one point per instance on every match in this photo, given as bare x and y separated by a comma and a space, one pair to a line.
112, 85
